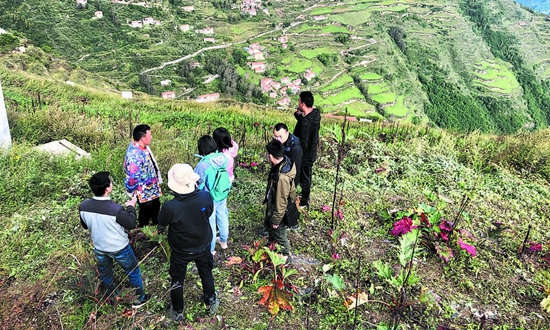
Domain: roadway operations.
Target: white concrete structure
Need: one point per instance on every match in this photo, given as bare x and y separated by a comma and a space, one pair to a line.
126, 95
63, 148
5, 136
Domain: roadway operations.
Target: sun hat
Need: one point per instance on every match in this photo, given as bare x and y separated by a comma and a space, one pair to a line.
182, 179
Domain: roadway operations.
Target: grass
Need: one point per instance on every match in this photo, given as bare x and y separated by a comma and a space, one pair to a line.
298, 65
398, 109
385, 168
312, 53
352, 18
344, 79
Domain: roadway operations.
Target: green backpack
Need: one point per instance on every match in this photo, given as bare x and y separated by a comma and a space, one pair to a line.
216, 178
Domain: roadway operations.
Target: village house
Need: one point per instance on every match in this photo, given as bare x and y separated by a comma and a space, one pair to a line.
251, 12
265, 84
2, 31
195, 65
189, 8
285, 46
522, 23
258, 67
273, 95
208, 97
185, 27
294, 88
207, 30
309, 74
285, 80
285, 101
166, 82
283, 90
319, 18
283, 39
169, 95
136, 24
148, 20
98, 14
81, 2
209, 40
297, 81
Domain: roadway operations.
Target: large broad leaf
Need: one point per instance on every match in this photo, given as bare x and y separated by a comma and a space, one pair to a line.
545, 304
336, 281
357, 299
444, 252
275, 297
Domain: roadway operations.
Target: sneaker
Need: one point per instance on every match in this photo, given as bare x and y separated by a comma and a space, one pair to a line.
295, 227
263, 233
142, 301
222, 244
213, 308
176, 316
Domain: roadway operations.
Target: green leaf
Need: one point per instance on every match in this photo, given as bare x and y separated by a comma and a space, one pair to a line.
336, 281
383, 270
545, 304
427, 208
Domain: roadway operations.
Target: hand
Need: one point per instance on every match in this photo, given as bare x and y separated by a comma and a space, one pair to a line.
132, 202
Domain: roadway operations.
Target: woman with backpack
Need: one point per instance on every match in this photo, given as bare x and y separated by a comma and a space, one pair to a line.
214, 178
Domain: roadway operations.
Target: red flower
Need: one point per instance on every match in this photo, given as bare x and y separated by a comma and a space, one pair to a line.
335, 256
445, 227
325, 208
402, 226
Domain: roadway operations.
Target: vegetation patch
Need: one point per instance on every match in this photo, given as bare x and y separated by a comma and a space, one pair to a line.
312, 53
342, 80
398, 109
352, 18
298, 65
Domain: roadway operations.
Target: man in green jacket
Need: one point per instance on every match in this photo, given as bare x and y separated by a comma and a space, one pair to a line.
280, 193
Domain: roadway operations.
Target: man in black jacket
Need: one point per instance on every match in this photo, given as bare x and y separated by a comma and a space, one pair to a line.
292, 146
189, 236
293, 150
307, 130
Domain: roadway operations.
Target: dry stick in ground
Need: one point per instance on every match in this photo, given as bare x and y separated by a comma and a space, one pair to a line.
338, 166
403, 293
525, 241
357, 292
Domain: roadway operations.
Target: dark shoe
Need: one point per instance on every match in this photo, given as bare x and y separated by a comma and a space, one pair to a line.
263, 233
141, 301
295, 227
176, 316
303, 205
213, 307
288, 260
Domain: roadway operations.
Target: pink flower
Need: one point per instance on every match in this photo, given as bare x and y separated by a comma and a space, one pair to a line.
468, 248
535, 247
402, 226
325, 208
243, 164
335, 256
445, 227
339, 214
253, 164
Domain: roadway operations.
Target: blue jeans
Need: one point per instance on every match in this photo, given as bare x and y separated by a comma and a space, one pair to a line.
219, 217
127, 260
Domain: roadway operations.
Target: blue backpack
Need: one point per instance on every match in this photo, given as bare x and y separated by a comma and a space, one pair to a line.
216, 178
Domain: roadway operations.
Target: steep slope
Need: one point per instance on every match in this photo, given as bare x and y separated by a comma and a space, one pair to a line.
461, 65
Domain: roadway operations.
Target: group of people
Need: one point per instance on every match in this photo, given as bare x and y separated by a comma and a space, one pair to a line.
198, 209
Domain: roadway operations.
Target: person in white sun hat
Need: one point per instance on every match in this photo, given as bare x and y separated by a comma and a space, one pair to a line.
189, 236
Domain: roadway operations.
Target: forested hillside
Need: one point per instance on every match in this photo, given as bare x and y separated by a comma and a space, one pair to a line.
462, 65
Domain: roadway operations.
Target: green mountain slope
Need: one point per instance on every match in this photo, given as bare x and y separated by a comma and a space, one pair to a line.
462, 65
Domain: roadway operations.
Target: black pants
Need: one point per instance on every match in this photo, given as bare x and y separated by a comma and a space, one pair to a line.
149, 211
305, 183
178, 271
